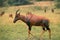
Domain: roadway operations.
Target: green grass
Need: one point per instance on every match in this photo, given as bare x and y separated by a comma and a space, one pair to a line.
19, 30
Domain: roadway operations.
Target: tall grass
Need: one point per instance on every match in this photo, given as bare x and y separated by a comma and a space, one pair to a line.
19, 30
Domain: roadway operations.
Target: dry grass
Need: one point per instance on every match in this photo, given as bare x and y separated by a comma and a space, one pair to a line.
54, 17
18, 31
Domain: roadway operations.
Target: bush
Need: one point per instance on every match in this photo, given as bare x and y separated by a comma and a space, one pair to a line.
58, 5
19, 2
38, 0
57, 0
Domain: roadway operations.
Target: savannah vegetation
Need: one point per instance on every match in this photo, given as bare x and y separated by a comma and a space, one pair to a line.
18, 31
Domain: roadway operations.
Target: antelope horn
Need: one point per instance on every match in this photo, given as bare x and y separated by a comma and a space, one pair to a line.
17, 11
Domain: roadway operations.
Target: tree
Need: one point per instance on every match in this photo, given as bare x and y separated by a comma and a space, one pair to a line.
18, 2
1, 2
57, 3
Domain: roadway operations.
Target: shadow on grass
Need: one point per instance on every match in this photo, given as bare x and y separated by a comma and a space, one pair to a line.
33, 38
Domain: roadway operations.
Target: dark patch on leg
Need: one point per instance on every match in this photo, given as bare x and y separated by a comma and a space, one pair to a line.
46, 24
43, 28
29, 28
48, 28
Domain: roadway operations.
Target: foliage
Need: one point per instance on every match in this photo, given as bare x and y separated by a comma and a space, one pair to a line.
38, 0
58, 5
57, 0
13, 2
18, 2
1, 2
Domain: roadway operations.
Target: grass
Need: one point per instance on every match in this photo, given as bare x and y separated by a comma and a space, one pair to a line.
18, 31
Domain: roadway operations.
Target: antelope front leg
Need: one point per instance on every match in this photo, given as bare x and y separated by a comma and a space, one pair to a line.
29, 32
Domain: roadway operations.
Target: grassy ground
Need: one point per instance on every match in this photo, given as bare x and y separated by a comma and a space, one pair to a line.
18, 31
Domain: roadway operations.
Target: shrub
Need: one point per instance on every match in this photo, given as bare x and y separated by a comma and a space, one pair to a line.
57, 5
